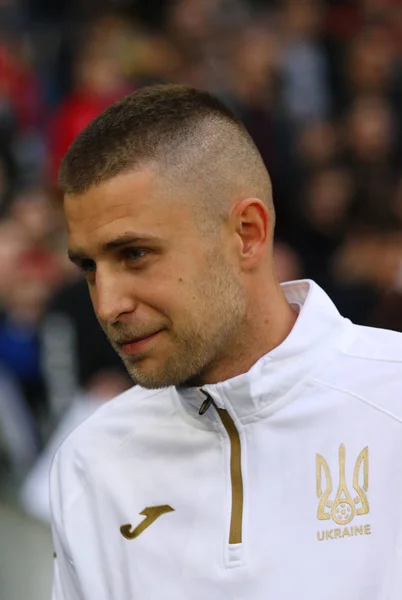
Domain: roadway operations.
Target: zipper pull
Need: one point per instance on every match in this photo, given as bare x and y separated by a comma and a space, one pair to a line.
205, 405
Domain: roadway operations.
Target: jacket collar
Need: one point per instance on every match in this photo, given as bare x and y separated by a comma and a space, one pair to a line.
314, 336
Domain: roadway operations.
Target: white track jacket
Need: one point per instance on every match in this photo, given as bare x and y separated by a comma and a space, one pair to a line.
287, 487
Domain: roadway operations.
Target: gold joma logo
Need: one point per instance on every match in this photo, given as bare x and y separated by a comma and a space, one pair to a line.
151, 513
343, 508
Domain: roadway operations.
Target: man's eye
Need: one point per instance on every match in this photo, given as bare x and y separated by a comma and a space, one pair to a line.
135, 253
87, 266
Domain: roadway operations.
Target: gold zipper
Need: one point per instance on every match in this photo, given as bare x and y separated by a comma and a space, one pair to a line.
236, 520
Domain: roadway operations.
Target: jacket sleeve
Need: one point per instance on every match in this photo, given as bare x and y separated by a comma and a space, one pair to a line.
65, 580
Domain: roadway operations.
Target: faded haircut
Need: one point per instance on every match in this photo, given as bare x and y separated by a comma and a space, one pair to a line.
194, 140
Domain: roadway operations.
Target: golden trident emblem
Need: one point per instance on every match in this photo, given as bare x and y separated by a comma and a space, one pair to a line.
344, 508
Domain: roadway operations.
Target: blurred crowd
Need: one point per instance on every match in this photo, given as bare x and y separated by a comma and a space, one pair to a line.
317, 83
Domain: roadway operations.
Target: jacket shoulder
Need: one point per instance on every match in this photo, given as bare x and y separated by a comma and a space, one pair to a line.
118, 418
368, 367
374, 344
103, 433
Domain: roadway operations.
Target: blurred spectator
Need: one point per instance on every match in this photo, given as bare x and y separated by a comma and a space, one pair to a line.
317, 145
304, 68
23, 306
29, 271
323, 220
12, 244
19, 86
21, 97
38, 220
370, 64
371, 149
252, 86
99, 82
372, 257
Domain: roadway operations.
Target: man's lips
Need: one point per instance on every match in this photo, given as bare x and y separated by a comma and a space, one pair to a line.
136, 344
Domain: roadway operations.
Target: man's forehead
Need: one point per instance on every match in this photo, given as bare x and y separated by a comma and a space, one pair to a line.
133, 205
146, 188
128, 185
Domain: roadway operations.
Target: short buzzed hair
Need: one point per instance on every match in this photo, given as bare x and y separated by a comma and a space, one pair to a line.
190, 135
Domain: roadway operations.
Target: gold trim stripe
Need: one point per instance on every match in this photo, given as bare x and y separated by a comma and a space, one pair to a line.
236, 522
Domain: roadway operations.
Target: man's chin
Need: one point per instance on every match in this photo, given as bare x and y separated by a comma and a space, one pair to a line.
145, 377
151, 379
153, 373
149, 383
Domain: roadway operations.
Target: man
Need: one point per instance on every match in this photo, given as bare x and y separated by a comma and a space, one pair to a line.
259, 455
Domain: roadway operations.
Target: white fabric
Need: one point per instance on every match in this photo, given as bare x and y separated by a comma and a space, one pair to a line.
329, 385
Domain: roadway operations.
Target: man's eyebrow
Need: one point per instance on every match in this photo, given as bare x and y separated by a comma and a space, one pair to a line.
76, 256
129, 238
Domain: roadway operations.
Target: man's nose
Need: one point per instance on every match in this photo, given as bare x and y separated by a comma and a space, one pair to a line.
112, 297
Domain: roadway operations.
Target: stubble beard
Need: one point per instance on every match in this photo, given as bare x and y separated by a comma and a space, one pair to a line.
207, 336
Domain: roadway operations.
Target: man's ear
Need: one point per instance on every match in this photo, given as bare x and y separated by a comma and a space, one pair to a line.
252, 224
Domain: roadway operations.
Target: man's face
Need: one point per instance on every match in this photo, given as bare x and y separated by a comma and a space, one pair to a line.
166, 295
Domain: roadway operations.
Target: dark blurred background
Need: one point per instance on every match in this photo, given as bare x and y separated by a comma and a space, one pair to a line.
318, 84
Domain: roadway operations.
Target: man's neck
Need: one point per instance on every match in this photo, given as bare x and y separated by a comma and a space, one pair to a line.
268, 326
